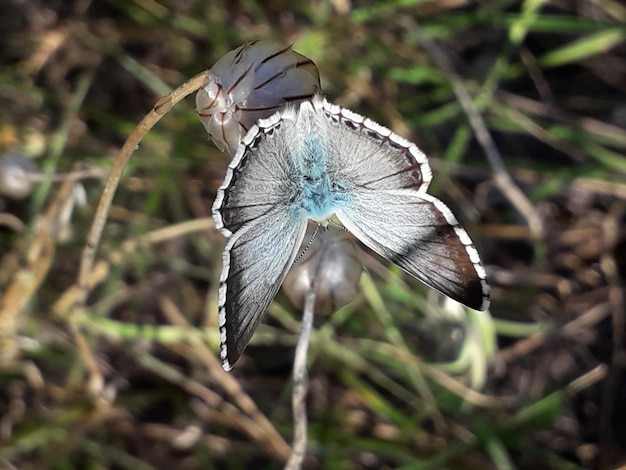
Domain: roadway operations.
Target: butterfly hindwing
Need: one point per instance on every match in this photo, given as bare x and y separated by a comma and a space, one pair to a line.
419, 233
255, 262
252, 209
369, 155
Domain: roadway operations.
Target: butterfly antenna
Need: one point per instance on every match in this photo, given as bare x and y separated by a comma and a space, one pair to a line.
308, 245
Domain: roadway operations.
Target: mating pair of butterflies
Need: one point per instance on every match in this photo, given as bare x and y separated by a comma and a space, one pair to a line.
315, 161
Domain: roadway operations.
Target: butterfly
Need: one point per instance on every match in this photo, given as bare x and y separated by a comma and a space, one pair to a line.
313, 162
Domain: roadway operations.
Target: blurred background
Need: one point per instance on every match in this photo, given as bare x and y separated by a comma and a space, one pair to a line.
399, 378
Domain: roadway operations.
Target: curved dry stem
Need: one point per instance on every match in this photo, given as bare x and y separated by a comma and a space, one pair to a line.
160, 109
300, 386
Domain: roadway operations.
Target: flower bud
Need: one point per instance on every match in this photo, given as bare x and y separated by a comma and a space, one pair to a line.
330, 266
15, 175
250, 83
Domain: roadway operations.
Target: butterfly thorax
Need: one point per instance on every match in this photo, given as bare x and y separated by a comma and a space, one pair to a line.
317, 193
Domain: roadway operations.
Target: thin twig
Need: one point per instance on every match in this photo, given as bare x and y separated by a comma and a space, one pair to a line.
300, 386
161, 108
96, 173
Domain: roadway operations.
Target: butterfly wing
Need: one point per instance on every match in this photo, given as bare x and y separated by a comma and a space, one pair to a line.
255, 262
370, 156
419, 233
258, 179
252, 208
389, 210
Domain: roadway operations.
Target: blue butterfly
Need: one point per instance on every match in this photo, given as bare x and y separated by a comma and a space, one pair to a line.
313, 162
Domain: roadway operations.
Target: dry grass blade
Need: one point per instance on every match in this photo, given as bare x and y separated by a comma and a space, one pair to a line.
502, 178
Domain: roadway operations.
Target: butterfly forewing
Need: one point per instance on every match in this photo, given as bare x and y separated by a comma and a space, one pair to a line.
253, 185
256, 260
371, 156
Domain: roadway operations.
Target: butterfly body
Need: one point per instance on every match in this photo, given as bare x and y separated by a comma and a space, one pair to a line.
317, 189
313, 162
